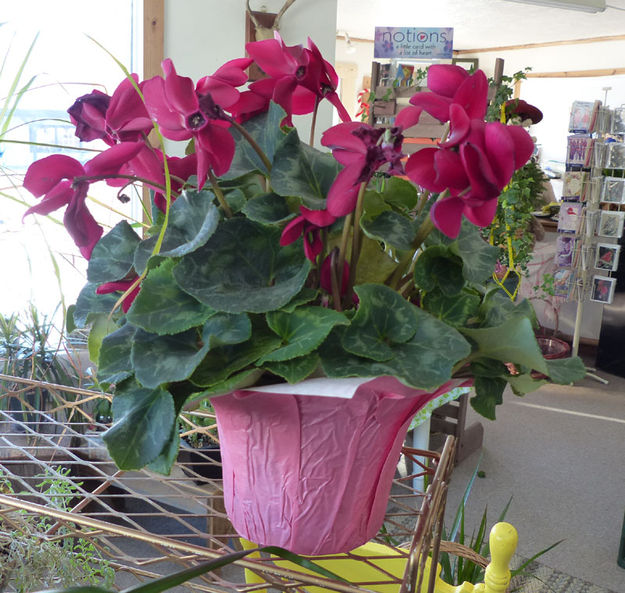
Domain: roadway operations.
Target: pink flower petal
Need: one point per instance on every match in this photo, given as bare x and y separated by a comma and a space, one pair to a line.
179, 90
472, 95
341, 136
420, 169
523, 145
343, 194
326, 276
292, 231
171, 122
80, 224
272, 57
303, 101
459, 126
449, 170
446, 215
445, 79
56, 198
320, 218
500, 151
110, 161
44, 174
408, 117
481, 215
216, 143
479, 171
334, 99
313, 245
127, 113
436, 105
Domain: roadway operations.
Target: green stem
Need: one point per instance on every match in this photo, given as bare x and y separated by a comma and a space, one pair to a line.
130, 177
336, 280
425, 196
356, 241
220, 194
313, 123
253, 144
343, 247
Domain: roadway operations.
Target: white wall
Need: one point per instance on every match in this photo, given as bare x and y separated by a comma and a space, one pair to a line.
200, 35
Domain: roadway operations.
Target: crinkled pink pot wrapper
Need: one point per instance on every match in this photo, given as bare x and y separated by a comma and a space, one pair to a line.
310, 473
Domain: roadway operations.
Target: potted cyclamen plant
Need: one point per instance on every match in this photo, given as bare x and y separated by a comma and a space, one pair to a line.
269, 261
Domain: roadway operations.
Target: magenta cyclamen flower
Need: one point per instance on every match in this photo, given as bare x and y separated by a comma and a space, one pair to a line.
308, 225
474, 165
451, 84
298, 78
184, 112
362, 150
88, 115
59, 179
127, 119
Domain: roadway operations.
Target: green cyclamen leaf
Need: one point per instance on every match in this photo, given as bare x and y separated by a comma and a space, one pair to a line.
383, 318
257, 275
437, 266
391, 228
513, 341
112, 256
193, 218
425, 361
267, 209
478, 256
89, 302
166, 359
488, 395
114, 363
266, 131
162, 307
454, 310
143, 420
296, 369
299, 170
301, 331
566, 370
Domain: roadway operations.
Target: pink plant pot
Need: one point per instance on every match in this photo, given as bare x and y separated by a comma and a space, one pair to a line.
313, 474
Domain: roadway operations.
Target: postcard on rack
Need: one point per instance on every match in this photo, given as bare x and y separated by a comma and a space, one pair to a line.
573, 185
404, 75
606, 256
613, 190
583, 116
569, 217
579, 150
565, 246
615, 155
602, 289
611, 224
563, 281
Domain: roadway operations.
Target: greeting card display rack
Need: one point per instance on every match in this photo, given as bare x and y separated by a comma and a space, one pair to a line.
590, 223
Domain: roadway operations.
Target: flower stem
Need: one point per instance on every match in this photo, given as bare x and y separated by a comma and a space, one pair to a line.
220, 194
356, 241
313, 123
336, 280
81, 178
343, 247
253, 144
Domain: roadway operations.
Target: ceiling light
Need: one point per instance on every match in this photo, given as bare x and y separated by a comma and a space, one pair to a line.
583, 5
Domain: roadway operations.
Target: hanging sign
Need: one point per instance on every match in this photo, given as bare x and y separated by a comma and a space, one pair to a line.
416, 43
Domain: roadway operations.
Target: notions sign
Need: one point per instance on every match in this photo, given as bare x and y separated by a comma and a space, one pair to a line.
417, 43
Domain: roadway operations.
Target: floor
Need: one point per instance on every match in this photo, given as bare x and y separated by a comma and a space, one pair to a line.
560, 453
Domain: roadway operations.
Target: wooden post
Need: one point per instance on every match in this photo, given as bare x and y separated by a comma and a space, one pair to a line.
153, 54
